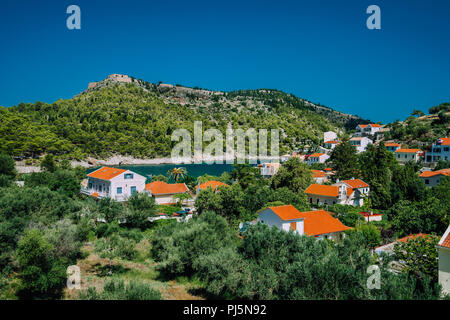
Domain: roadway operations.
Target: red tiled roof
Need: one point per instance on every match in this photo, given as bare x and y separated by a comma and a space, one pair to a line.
392, 144
375, 125
106, 173
318, 174
445, 141
316, 155
287, 212
213, 184
444, 172
446, 241
332, 142
320, 222
412, 236
161, 187
323, 190
356, 183
362, 125
408, 150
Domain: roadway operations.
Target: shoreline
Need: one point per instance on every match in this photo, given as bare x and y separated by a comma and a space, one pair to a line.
126, 160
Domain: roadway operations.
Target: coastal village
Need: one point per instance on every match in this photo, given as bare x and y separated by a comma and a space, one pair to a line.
120, 184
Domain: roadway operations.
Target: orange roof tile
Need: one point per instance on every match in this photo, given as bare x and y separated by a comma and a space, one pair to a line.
320, 222
426, 174
445, 141
161, 187
287, 212
362, 125
446, 242
318, 174
412, 236
356, 183
106, 173
408, 150
316, 155
375, 125
389, 144
332, 142
323, 190
213, 184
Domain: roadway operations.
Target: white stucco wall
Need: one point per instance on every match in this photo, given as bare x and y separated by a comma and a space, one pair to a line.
444, 269
270, 218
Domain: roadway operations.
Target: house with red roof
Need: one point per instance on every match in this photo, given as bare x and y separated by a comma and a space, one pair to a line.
317, 158
405, 155
367, 129
351, 192
165, 193
331, 144
389, 248
444, 261
114, 183
433, 178
392, 146
213, 184
319, 176
319, 223
269, 169
440, 150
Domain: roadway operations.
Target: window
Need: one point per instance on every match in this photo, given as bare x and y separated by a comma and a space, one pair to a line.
119, 190
128, 176
446, 148
90, 185
132, 189
100, 188
427, 181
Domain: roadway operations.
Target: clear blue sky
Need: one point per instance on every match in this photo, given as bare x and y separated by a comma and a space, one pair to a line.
318, 50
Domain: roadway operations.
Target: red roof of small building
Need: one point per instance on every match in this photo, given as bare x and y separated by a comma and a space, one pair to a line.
213, 184
318, 174
106, 173
375, 125
362, 125
412, 236
356, 183
332, 142
408, 150
392, 144
161, 187
445, 141
323, 190
316, 155
321, 222
427, 174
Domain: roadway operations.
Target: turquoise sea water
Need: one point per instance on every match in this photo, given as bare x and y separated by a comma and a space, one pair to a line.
194, 170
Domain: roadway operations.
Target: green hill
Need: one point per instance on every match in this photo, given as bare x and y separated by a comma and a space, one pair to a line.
127, 116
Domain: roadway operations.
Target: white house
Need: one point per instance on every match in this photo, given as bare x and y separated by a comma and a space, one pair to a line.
317, 158
319, 176
114, 183
319, 223
366, 129
165, 193
329, 135
444, 261
392, 146
269, 169
389, 247
351, 192
405, 155
360, 143
433, 178
440, 150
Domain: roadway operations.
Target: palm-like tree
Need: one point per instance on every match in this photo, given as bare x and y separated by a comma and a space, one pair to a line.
176, 173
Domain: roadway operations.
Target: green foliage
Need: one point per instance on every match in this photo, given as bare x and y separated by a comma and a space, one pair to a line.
65, 182
140, 206
347, 214
345, 160
116, 289
7, 166
113, 247
160, 177
371, 235
294, 175
48, 163
42, 276
178, 246
274, 264
419, 256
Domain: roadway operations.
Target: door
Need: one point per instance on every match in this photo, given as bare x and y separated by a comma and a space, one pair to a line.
293, 226
132, 190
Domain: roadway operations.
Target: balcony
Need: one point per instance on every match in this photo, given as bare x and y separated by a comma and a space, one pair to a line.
101, 195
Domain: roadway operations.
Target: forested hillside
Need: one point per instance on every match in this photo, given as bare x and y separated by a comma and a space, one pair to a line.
137, 118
